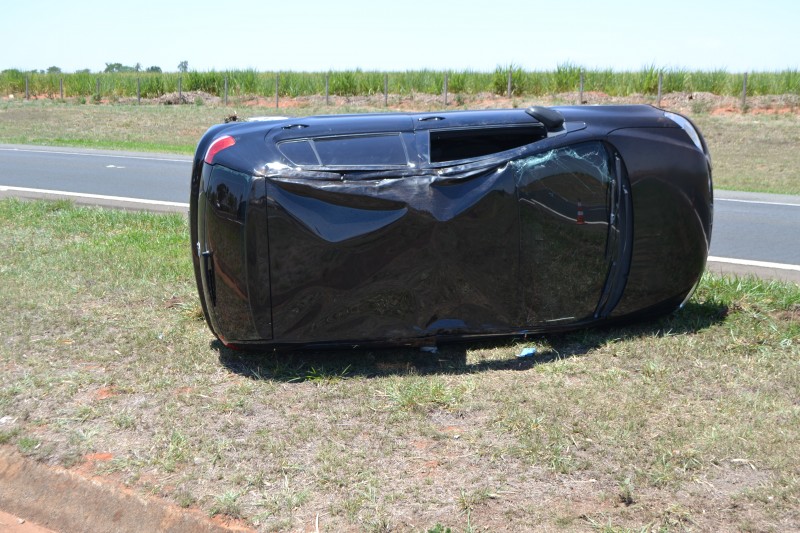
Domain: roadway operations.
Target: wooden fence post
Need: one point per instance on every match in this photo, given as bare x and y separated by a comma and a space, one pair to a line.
744, 93
660, 85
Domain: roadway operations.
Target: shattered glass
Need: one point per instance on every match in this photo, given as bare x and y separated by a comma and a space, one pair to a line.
564, 216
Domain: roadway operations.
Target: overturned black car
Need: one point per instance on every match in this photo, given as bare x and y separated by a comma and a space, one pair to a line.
408, 229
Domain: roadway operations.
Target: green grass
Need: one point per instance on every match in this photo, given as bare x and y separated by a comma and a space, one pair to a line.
690, 421
359, 82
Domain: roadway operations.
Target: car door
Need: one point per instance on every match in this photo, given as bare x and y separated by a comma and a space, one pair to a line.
564, 208
366, 248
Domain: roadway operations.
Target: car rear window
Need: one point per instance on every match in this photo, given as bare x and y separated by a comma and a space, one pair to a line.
352, 150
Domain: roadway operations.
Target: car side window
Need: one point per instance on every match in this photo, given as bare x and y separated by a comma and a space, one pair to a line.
351, 150
467, 143
299, 152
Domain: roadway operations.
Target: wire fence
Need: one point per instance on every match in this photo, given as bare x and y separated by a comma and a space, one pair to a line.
505, 82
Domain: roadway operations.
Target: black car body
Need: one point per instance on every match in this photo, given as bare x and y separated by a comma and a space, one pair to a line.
415, 228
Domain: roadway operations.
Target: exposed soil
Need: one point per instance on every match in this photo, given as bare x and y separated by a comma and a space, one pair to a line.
684, 102
76, 500
681, 102
14, 524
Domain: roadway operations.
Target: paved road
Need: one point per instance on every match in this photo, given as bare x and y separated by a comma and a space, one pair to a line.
748, 227
100, 172
756, 226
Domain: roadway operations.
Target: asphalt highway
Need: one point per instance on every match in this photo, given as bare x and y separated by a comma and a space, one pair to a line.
750, 230
100, 172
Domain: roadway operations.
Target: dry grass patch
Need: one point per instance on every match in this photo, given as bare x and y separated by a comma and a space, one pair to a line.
686, 422
754, 152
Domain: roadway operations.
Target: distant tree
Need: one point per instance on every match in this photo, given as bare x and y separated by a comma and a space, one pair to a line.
118, 67
183, 66
138, 67
153, 69
53, 70
83, 71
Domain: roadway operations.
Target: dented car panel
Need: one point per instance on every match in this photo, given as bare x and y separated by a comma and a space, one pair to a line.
415, 228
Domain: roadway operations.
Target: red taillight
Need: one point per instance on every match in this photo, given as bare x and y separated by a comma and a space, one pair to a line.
226, 141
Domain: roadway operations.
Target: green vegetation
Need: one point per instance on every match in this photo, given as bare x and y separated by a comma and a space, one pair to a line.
690, 421
121, 81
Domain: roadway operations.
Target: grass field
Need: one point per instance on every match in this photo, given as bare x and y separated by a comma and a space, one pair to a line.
690, 422
751, 152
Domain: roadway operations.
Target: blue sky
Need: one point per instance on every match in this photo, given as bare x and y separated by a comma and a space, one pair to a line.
315, 35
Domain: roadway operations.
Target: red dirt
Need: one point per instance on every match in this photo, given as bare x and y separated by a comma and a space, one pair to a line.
684, 102
103, 393
69, 500
98, 457
14, 524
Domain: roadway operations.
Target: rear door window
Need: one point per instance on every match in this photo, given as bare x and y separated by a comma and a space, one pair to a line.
362, 150
300, 152
349, 151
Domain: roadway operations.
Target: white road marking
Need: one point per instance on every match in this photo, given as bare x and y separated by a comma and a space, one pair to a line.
4, 188
755, 202
114, 166
120, 156
749, 262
